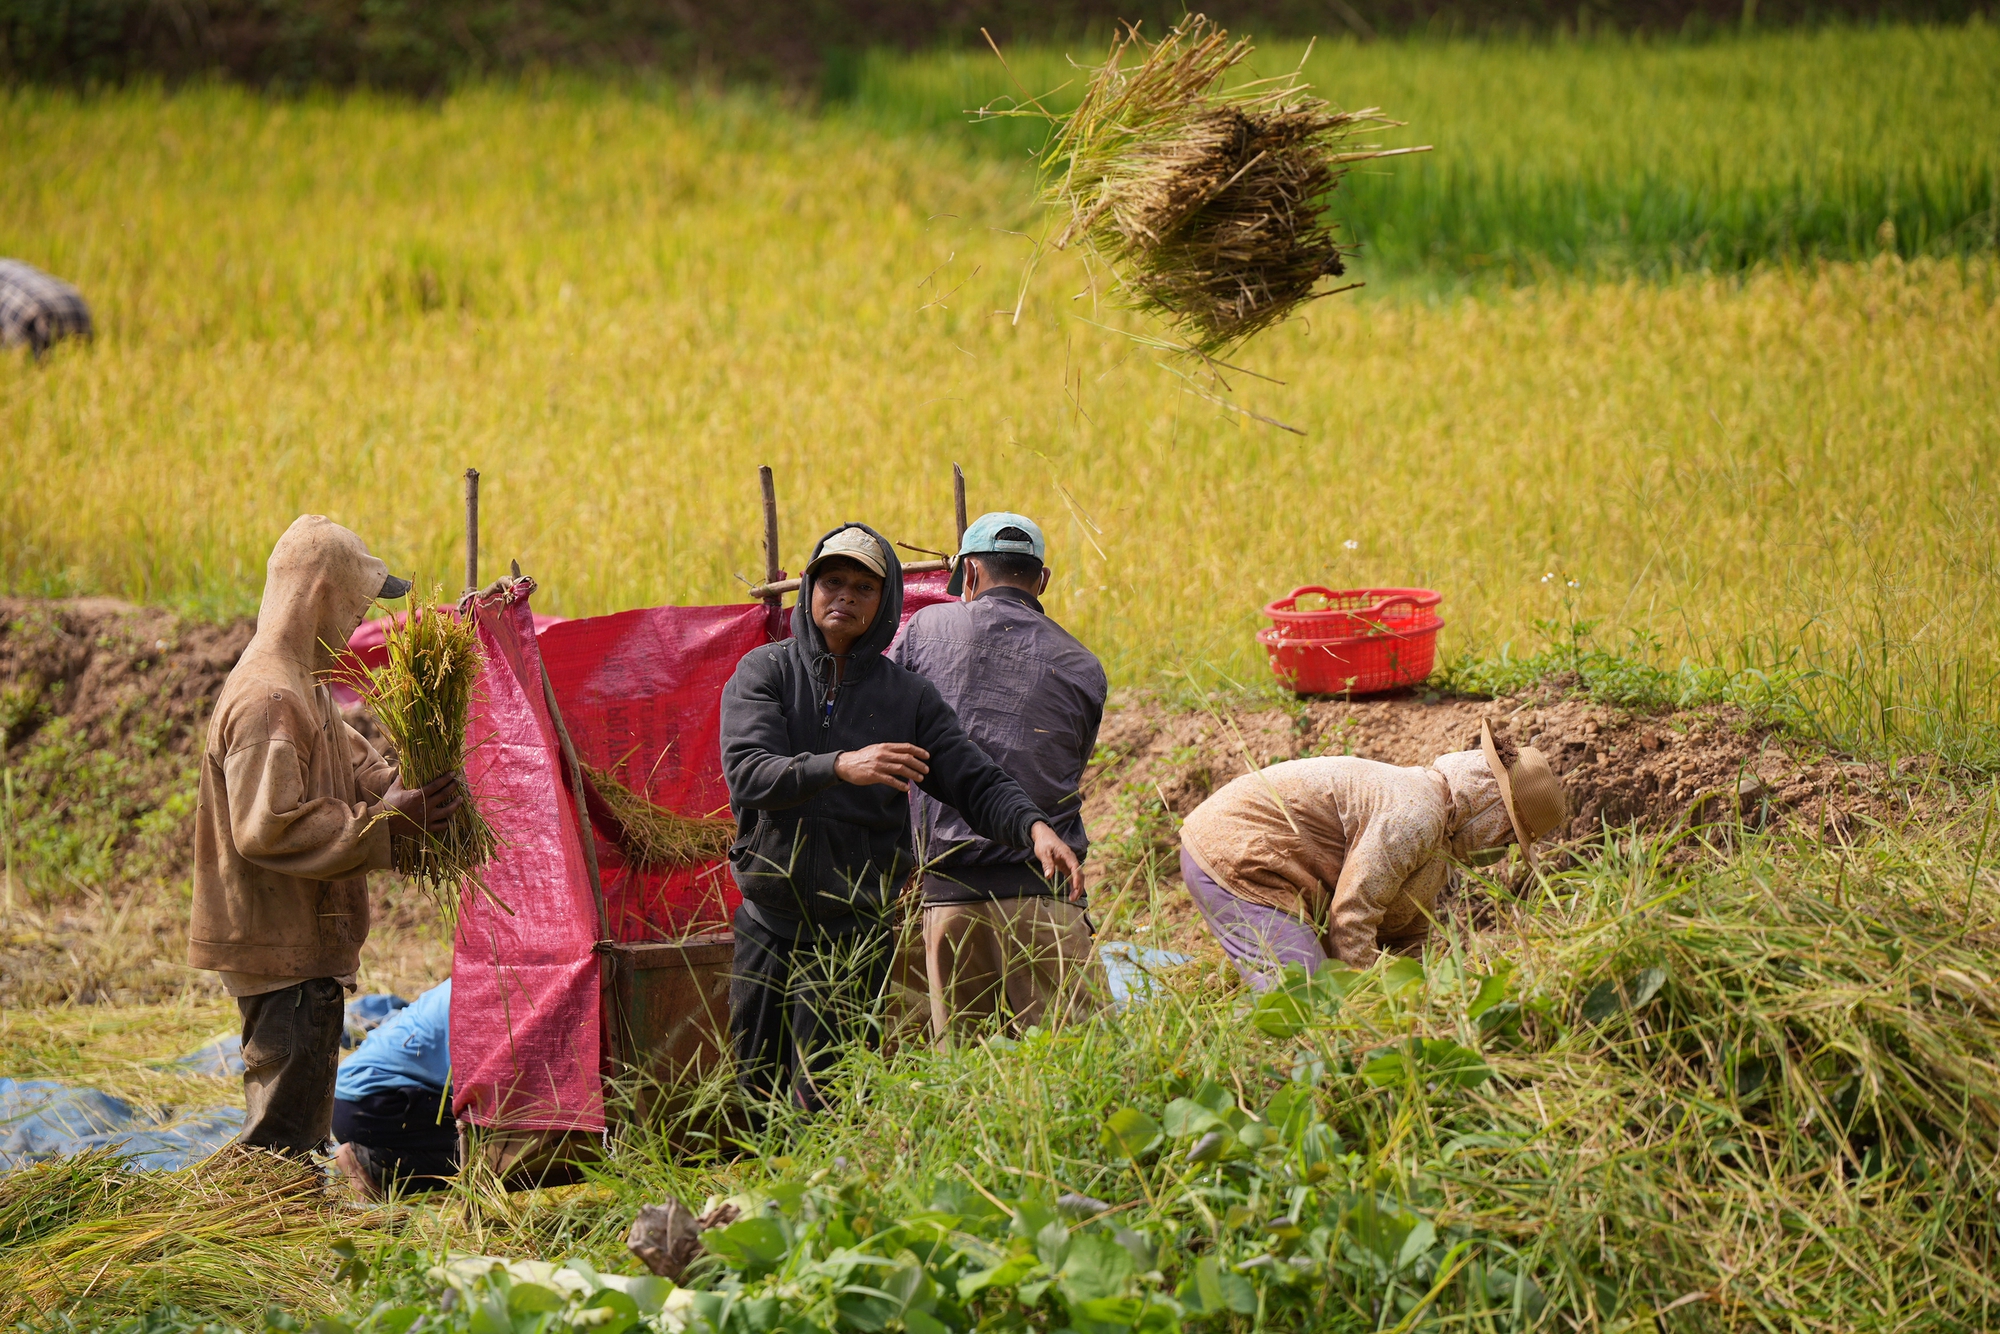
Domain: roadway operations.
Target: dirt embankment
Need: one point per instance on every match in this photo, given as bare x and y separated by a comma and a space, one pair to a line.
1655, 771
103, 707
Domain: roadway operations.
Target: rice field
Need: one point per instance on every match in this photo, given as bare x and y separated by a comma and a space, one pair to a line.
617, 302
1640, 364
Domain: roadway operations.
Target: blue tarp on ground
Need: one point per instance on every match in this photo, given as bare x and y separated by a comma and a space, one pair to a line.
1133, 970
41, 1119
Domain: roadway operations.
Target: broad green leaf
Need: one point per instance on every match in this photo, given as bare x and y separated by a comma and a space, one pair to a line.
527, 1298
1052, 1244
1003, 1275
1647, 985
1237, 1293
1209, 1147
1214, 1097
1290, 1111
1420, 1240
1386, 1070
649, 1294
1186, 1118
1200, 1290
1145, 1255
1130, 1133
1492, 990
919, 1322
864, 1308
1380, 1228
759, 1315
392, 1320
1097, 1267
1448, 1061
1401, 975
1280, 1014
1602, 1002
753, 1245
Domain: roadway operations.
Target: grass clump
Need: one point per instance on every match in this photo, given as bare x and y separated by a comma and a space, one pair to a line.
1760, 1090
422, 699
1207, 202
652, 836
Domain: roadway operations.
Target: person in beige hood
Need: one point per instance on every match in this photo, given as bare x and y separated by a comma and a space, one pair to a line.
1340, 857
295, 809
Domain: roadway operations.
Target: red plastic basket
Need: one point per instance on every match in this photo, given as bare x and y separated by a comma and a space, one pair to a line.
1354, 664
1347, 612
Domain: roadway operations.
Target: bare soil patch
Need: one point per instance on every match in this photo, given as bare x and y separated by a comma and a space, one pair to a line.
1622, 768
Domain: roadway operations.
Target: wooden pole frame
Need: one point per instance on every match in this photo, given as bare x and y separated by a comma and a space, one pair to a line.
772, 591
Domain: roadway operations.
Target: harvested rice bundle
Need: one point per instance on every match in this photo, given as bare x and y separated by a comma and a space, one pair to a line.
1208, 204
654, 837
422, 699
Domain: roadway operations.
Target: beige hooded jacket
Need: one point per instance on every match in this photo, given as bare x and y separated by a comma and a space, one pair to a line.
1358, 848
285, 831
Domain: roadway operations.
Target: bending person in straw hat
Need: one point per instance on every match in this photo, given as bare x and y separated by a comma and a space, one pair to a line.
1342, 857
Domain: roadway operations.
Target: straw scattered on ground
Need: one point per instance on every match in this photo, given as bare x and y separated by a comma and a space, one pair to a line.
227, 1235
653, 837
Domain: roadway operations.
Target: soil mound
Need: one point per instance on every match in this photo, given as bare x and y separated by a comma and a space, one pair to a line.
1621, 768
111, 669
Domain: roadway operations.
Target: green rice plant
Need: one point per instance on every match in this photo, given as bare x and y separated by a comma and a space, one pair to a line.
1206, 201
1607, 154
1788, 471
422, 700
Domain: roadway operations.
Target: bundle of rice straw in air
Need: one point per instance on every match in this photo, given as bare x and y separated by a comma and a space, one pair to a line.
653, 837
1207, 202
422, 699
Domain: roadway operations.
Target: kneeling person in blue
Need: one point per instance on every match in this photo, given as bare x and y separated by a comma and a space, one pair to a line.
392, 1101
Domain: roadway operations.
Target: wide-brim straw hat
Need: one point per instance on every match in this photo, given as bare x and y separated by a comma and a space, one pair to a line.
1534, 798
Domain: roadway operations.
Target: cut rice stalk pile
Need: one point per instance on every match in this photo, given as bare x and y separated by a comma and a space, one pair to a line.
1208, 203
653, 837
422, 699
226, 1235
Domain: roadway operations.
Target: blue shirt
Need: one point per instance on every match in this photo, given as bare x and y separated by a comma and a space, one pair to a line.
411, 1049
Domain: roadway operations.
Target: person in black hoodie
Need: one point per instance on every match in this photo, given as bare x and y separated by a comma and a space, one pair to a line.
822, 736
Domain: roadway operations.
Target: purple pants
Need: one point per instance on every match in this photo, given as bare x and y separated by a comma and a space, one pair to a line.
1260, 941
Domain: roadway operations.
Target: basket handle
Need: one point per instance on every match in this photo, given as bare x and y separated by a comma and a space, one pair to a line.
1379, 610
1297, 593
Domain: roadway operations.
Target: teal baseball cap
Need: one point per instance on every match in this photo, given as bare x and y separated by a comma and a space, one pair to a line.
984, 536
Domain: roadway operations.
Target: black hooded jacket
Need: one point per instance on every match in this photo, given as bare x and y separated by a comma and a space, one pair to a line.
808, 846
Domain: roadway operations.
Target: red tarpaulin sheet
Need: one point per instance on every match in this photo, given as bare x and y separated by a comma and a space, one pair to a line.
641, 692
524, 992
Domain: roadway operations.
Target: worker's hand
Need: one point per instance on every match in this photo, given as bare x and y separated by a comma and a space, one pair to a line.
429, 807
894, 764
1054, 853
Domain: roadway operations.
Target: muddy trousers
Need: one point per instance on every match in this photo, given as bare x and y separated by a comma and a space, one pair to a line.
291, 1051
797, 999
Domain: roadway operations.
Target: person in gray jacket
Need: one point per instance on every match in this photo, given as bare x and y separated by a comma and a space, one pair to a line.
1002, 945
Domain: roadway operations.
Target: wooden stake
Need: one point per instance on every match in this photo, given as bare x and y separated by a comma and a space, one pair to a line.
958, 500
472, 530
773, 572
582, 806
